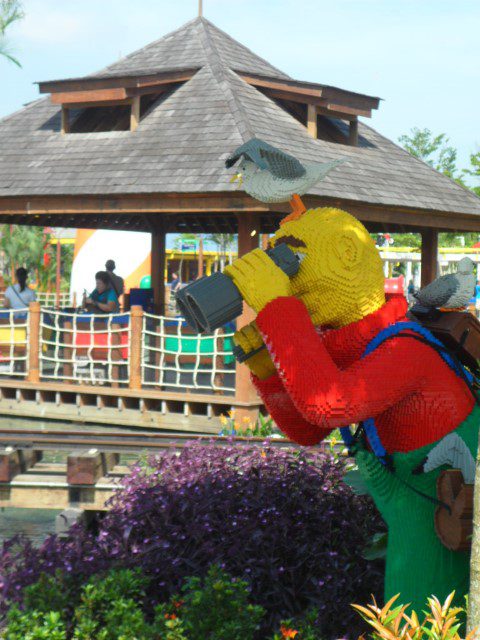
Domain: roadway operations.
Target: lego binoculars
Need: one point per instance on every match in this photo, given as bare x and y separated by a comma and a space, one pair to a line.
213, 301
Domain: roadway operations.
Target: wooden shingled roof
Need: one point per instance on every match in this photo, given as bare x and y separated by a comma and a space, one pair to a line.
214, 94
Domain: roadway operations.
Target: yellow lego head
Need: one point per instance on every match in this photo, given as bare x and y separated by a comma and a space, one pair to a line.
340, 279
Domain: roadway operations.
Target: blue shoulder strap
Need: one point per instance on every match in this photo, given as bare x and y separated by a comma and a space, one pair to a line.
390, 332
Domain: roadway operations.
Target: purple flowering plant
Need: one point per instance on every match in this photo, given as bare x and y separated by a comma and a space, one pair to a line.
281, 519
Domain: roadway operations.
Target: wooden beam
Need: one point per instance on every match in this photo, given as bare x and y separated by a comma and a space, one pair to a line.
97, 95
89, 207
135, 113
100, 83
157, 269
200, 257
429, 255
106, 103
312, 120
65, 122
327, 108
347, 110
339, 115
248, 239
297, 89
353, 133
311, 92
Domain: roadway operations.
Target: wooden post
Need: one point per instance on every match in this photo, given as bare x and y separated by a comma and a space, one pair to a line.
67, 339
15, 461
135, 113
429, 255
86, 467
136, 325
58, 274
33, 372
65, 124
157, 270
200, 256
115, 354
312, 120
353, 133
244, 389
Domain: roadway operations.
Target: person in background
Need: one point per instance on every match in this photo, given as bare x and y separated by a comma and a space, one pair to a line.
103, 298
19, 295
175, 283
117, 282
410, 293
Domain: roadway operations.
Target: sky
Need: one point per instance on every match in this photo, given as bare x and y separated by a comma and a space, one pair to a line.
422, 57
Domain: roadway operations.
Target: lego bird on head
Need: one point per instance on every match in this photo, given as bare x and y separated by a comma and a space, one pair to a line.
271, 175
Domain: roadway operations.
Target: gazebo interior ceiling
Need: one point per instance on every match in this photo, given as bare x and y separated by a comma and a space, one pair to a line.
176, 223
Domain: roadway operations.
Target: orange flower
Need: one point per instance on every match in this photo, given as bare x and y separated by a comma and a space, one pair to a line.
178, 603
288, 633
170, 616
263, 454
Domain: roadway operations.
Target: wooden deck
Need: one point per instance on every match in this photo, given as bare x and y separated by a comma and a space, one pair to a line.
187, 412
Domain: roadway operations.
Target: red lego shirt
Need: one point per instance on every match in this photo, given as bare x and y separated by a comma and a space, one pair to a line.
324, 383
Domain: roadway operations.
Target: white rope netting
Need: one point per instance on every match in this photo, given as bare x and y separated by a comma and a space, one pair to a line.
88, 348
14, 342
174, 358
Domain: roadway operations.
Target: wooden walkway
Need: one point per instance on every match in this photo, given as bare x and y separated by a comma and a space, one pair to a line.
93, 468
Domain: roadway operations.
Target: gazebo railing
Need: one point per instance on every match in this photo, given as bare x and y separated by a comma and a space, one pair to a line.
49, 298
136, 350
176, 359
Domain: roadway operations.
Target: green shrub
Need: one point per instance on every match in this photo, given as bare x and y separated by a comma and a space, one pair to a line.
34, 625
112, 607
216, 608
305, 627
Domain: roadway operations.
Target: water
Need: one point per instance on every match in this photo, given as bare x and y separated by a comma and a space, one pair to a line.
36, 524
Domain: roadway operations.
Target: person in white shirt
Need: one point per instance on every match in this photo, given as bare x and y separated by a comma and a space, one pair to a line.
19, 295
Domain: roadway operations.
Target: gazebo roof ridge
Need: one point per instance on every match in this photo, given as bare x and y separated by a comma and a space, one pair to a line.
220, 72
191, 28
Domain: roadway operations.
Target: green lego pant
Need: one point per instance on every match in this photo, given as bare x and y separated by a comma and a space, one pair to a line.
418, 565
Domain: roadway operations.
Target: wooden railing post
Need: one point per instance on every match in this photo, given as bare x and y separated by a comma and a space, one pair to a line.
33, 370
136, 326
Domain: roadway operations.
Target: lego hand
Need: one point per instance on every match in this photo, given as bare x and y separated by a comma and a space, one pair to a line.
258, 279
249, 339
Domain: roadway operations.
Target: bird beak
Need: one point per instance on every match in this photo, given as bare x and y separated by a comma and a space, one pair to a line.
237, 178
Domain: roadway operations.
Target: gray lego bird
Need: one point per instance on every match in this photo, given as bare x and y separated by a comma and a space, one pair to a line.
452, 291
270, 175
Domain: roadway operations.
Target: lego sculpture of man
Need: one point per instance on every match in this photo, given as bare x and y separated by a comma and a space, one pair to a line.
335, 357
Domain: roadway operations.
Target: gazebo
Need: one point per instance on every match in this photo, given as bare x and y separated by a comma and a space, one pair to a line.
141, 144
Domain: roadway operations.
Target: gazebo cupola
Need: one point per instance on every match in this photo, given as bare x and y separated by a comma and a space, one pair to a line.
321, 108
91, 104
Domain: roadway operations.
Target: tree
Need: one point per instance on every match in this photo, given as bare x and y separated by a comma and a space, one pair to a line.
224, 242
10, 11
474, 171
434, 150
30, 247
